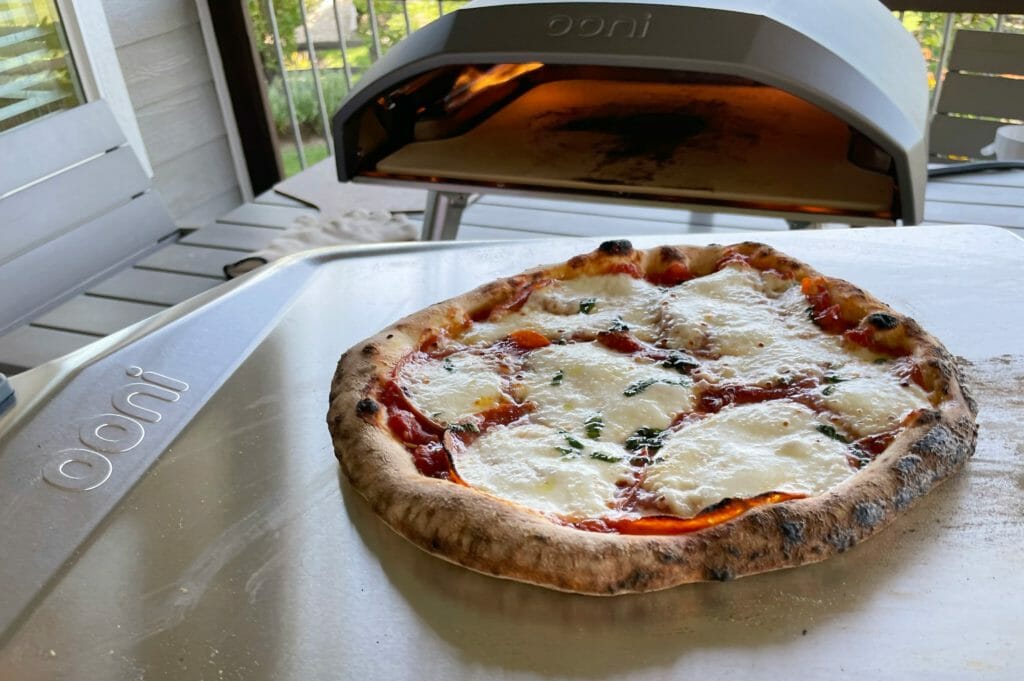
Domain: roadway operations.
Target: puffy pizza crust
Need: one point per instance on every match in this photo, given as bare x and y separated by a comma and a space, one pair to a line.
503, 539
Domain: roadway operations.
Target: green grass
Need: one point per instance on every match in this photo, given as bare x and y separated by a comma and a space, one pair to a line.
315, 152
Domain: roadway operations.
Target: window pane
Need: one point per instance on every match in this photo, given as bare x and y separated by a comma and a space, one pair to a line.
37, 74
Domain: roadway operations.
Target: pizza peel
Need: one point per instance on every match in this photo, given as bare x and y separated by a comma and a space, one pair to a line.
225, 543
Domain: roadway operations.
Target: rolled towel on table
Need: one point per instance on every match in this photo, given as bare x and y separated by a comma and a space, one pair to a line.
312, 231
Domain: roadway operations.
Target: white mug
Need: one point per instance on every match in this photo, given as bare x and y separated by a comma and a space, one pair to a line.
1008, 144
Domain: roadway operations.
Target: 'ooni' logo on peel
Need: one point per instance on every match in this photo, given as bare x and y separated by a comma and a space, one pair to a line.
81, 469
593, 26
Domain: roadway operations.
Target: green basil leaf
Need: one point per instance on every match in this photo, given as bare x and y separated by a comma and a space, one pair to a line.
830, 431
680, 361
639, 386
573, 442
649, 439
601, 456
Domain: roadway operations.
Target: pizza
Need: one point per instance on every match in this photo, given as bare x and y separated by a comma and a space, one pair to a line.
632, 420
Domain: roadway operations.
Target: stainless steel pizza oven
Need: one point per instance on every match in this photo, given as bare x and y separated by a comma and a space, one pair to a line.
806, 109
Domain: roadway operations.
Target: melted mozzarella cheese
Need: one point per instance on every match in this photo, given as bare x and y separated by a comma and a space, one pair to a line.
449, 390
728, 311
788, 344
870, 401
744, 451
535, 466
557, 310
593, 382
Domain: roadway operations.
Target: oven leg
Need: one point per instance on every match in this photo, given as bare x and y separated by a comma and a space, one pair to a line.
442, 215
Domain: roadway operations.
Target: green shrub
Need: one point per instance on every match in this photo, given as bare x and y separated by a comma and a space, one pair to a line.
307, 110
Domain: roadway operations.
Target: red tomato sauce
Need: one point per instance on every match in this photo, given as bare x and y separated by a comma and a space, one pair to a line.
667, 524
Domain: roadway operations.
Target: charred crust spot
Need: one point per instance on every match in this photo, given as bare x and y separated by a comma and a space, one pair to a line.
668, 557
370, 350
904, 497
720, 574
616, 247
841, 540
928, 417
719, 504
938, 441
908, 464
792, 531
390, 336
670, 254
913, 329
882, 321
367, 407
636, 580
784, 264
868, 514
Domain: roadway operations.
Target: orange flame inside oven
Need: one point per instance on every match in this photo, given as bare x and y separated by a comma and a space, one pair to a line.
473, 81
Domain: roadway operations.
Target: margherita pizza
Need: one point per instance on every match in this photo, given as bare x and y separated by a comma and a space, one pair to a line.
632, 420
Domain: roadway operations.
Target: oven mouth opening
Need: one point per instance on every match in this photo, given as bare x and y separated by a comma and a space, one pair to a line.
650, 134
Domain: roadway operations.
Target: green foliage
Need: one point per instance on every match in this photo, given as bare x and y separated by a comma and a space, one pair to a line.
929, 29
315, 152
304, 99
391, 27
289, 18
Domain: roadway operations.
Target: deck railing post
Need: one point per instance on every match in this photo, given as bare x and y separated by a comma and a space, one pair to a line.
344, 53
405, 15
317, 86
947, 38
272, 18
374, 31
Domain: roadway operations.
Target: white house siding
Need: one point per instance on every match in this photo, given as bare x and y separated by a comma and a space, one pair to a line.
167, 71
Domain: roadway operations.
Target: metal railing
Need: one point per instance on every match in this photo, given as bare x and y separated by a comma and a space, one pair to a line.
314, 52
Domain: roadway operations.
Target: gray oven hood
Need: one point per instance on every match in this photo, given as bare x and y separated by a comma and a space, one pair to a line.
801, 75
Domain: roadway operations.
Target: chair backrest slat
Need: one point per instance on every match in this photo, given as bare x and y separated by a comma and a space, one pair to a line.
100, 247
982, 90
53, 143
987, 52
48, 209
961, 136
978, 95
74, 203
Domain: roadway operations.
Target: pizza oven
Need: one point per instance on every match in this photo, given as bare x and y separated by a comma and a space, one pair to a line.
814, 111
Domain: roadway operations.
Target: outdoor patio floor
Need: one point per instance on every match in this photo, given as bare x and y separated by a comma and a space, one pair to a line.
194, 263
